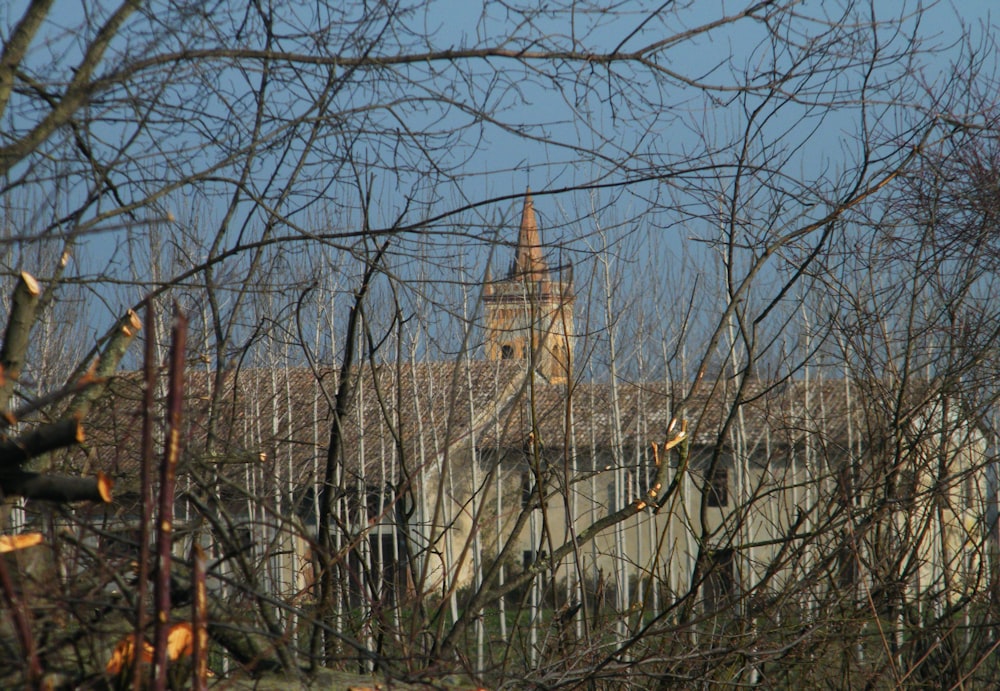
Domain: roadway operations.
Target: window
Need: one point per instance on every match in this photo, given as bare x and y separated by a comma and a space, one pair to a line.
122, 543
847, 572
526, 490
530, 556
718, 486
720, 582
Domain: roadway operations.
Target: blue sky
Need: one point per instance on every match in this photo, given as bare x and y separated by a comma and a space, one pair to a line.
561, 116
561, 126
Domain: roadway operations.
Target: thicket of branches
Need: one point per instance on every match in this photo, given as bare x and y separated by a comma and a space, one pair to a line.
747, 198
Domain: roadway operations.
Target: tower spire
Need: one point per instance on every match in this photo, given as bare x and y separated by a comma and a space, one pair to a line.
529, 264
529, 316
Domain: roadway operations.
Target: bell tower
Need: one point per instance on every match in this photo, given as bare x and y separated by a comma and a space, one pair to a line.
529, 315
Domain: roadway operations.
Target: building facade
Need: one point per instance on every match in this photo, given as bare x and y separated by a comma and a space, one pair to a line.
464, 474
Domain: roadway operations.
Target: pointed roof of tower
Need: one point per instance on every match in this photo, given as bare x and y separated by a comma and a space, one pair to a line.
488, 282
529, 263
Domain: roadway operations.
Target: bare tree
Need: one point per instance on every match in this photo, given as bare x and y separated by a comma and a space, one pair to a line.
776, 223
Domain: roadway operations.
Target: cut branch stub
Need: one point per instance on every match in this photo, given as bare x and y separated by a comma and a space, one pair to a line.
57, 435
16, 337
56, 488
12, 543
114, 350
168, 476
199, 619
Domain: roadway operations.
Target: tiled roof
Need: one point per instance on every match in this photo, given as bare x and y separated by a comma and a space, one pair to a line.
429, 409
